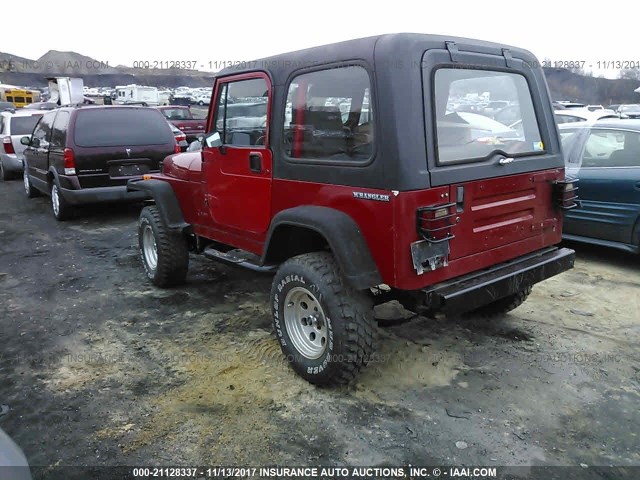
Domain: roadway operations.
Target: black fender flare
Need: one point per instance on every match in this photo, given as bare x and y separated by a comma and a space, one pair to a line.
54, 173
342, 234
166, 201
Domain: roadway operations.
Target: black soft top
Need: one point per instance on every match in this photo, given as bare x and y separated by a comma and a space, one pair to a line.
395, 50
399, 66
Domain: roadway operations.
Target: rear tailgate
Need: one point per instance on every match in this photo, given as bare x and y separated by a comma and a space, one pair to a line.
112, 166
113, 144
190, 127
499, 211
17, 146
22, 126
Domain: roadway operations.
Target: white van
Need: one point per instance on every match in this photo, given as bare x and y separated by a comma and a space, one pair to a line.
137, 94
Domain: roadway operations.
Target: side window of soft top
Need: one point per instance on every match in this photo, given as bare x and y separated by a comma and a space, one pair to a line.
329, 115
59, 132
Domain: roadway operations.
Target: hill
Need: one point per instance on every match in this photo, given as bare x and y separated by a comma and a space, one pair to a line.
563, 84
567, 85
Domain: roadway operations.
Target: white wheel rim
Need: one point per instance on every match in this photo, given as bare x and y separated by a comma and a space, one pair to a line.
149, 248
306, 323
55, 200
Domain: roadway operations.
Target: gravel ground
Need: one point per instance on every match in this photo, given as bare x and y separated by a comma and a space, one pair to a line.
100, 368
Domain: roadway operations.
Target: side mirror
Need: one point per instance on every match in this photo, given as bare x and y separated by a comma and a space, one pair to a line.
25, 140
213, 140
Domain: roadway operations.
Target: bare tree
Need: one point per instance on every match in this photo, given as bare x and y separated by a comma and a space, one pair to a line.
629, 74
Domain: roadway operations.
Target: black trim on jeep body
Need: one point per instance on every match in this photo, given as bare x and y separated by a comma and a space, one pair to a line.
166, 201
402, 158
341, 233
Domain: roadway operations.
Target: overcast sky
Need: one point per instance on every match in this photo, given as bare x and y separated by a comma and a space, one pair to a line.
121, 32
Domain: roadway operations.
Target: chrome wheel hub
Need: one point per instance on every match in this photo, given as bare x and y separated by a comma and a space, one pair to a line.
306, 323
149, 247
55, 200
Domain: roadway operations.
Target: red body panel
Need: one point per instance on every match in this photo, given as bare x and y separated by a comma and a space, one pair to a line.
518, 208
238, 198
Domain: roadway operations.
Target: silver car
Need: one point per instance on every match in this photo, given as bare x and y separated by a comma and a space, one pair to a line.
14, 126
13, 463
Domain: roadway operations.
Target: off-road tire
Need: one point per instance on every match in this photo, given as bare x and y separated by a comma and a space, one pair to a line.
29, 189
504, 305
63, 210
172, 251
346, 314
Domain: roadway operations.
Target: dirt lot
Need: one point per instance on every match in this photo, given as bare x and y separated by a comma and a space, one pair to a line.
100, 368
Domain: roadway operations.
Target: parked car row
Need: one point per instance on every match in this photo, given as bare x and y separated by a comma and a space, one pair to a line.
86, 154
74, 161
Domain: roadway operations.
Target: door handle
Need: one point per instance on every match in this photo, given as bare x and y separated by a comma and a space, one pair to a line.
255, 162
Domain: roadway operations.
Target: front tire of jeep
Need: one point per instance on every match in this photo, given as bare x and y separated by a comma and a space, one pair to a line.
165, 254
504, 305
325, 329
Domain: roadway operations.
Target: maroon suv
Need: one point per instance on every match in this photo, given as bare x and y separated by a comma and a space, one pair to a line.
86, 154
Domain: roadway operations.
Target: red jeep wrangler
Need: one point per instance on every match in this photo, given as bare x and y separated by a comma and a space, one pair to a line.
369, 171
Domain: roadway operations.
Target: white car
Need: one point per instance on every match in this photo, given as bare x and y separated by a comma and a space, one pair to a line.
203, 99
14, 126
573, 115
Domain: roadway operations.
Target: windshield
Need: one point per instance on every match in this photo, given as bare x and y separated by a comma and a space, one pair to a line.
24, 125
247, 109
573, 144
177, 113
469, 127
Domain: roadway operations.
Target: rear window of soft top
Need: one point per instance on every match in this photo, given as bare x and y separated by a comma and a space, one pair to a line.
121, 126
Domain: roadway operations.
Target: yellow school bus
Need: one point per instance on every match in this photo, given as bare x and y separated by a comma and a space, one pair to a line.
18, 96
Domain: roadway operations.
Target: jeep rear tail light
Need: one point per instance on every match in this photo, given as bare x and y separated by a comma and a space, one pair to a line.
564, 194
69, 162
435, 223
8, 146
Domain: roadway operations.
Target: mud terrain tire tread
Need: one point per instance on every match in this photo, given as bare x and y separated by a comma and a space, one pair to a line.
351, 312
504, 305
172, 250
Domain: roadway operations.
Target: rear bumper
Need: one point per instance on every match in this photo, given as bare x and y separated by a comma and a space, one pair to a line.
102, 195
11, 163
477, 289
